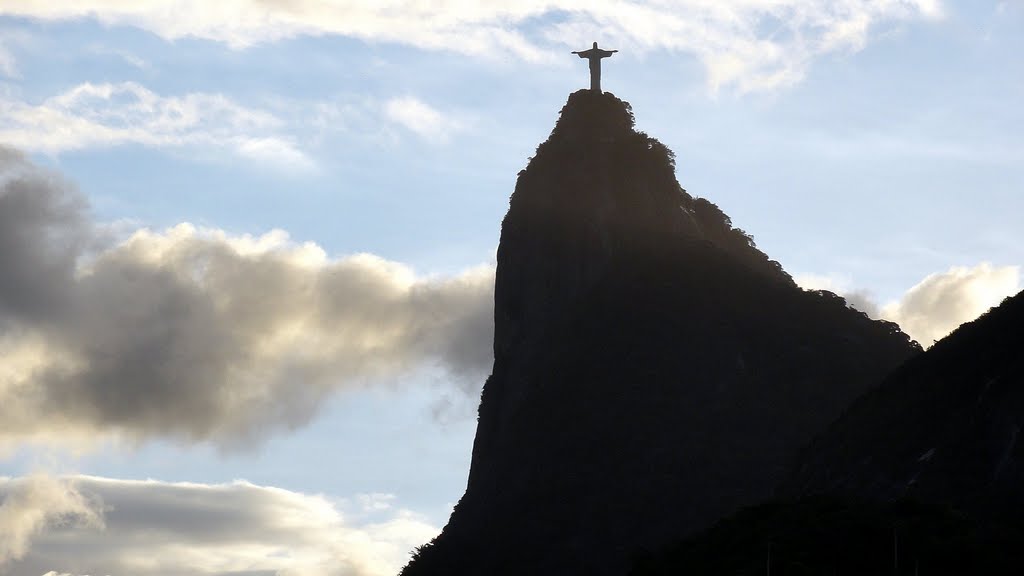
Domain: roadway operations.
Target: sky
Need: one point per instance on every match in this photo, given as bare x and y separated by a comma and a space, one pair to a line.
247, 247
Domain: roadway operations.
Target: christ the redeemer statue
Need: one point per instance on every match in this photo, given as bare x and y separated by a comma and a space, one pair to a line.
594, 55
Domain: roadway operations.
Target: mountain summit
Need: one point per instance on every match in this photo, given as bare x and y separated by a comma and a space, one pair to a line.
653, 370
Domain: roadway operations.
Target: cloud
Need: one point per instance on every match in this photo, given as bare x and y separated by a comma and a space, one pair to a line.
942, 302
42, 231
936, 305
200, 335
153, 528
8, 65
103, 115
122, 55
821, 282
97, 115
420, 118
748, 45
30, 506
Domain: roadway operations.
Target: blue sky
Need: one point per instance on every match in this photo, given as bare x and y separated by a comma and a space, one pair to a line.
257, 238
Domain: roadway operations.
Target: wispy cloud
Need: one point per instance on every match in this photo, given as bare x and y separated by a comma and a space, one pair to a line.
421, 118
90, 116
153, 528
96, 115
123, 55
747, 45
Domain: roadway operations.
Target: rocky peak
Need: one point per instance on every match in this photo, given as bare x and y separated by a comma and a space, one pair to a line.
597, 116
597, 197
653, 370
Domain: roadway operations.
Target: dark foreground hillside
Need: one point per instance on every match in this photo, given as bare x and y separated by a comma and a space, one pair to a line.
945, 427
922, 475
827, 536
653, 370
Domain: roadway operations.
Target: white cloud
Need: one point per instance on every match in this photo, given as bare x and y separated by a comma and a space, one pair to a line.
748, 45
153, 528
30, 506
122, 55
420, 118
936, 305
201, 335
102, 115
91, 115
942, 302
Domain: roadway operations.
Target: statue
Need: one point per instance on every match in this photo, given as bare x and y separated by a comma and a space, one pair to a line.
594, 55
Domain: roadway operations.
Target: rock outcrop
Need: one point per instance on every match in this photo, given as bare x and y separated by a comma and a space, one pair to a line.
653, 369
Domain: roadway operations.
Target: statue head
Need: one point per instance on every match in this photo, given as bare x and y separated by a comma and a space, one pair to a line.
595, 44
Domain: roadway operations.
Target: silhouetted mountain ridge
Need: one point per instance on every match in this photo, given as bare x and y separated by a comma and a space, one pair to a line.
944, 427
653, 370
927, 467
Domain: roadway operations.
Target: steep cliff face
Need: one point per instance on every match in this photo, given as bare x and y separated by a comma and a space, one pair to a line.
653, 370
944, 428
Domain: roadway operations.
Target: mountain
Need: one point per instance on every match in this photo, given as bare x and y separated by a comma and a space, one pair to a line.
653, 370
845, 537
923, 474
944, 428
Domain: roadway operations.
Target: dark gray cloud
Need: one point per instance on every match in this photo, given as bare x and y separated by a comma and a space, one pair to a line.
42, 231
200, 335
90, 525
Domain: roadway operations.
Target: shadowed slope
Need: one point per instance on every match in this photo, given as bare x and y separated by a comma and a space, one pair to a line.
922, 475
839, 537
945, 427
